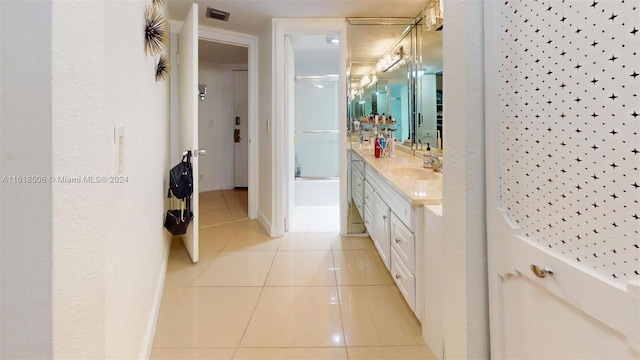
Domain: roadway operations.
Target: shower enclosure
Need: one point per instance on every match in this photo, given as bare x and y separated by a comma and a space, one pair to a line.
316, 142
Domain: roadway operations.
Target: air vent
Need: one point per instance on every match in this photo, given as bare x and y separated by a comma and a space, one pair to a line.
217, 14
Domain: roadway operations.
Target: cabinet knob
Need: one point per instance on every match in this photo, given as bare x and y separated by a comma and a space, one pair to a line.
397, 241
384, 217
397, 277
540, 272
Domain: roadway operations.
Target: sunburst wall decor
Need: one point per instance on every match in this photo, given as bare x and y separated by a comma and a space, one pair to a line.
163, 68
156, 32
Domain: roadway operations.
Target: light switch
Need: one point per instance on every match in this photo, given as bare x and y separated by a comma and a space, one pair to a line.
120, 144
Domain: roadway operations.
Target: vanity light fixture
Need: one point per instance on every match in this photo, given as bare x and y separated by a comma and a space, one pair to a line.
365, 81
389, 61
434, 15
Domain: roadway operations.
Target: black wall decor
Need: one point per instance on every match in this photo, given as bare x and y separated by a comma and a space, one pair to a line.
570, 123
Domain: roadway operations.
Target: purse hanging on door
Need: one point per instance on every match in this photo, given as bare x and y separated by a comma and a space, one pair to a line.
177, 220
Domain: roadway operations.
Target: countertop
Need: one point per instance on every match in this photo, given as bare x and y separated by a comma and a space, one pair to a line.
418, 192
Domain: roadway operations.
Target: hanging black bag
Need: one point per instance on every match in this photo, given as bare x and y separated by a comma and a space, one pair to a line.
177, 220
181, 178
181, 186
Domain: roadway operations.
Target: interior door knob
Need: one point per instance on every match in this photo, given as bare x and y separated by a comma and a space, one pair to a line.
540, 272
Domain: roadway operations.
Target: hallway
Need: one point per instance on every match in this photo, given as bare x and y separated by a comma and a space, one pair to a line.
302, 296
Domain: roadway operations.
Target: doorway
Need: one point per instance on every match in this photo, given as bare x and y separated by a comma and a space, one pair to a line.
312, 116
323, 72
223, 132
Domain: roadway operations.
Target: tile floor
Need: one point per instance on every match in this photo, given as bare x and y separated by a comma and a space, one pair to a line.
302, 296
315, 219
223, 206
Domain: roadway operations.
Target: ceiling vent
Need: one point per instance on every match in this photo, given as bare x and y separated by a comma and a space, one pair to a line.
217, 14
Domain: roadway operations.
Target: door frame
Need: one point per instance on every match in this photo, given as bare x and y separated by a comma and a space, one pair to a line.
251, 43
282, 146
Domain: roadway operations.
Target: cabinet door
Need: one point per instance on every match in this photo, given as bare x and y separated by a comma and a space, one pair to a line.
381, 234
402, 240
368, 219
405, 280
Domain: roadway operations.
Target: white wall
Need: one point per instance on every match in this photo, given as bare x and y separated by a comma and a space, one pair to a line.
216, 124
266, 201
466, 331
25, 209
109, 248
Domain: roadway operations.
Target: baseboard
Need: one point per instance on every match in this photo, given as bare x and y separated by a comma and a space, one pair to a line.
266, 224
147, 344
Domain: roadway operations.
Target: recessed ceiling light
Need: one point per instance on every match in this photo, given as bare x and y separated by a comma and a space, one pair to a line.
333, 39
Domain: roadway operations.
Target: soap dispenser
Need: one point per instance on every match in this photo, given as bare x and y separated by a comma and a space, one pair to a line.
427, 159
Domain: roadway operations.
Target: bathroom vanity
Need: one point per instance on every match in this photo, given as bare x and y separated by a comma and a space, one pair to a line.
390, 195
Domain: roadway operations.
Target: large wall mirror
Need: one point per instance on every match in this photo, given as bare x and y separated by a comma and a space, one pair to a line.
395, 87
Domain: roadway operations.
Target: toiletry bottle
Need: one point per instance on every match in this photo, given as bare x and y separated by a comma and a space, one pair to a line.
427, 159
378, 148
392, 146
383, 145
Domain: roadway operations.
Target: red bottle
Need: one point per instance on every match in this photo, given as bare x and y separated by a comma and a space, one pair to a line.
378, 149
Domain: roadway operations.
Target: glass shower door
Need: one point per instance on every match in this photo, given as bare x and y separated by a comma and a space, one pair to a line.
316, 129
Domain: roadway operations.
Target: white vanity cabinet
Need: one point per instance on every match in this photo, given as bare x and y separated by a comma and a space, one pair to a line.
368, 208
381, 235
357, 183
394, 232
393, 209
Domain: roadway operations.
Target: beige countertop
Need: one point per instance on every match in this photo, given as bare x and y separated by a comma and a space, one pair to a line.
419, 192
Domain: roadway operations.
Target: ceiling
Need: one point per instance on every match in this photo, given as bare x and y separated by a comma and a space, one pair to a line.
367, 39
253, 16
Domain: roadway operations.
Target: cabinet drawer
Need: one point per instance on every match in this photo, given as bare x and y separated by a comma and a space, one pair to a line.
403, 241
405, 280
368, 194
359, 204
357, 185
356, 161
368, 219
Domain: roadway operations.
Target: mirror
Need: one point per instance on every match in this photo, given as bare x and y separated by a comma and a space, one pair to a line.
429, 119
395, 87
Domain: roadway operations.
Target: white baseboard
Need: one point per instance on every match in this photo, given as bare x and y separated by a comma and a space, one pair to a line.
147, 344
266, 224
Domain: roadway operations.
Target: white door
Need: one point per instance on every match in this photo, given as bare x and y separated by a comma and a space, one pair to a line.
288, 128
241, 128
188, 99
562, 237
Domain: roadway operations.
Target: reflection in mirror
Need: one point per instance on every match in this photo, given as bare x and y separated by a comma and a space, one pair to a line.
395, 91
429, 125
